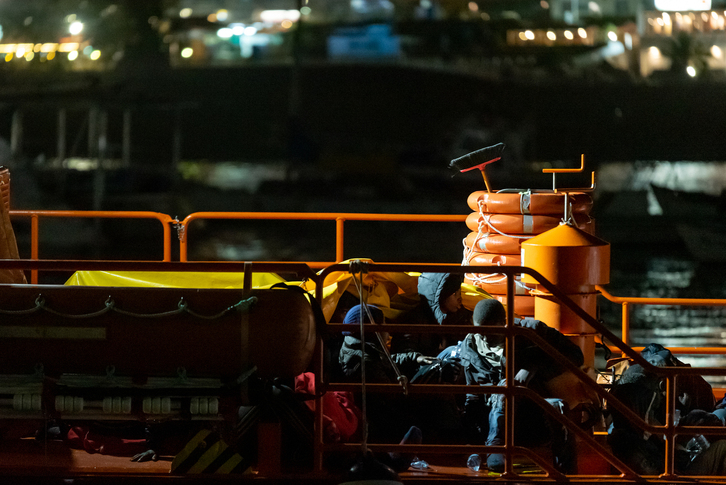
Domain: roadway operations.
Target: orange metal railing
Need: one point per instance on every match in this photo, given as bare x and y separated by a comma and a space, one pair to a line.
627, 302
338, 217
34, 215
669, 430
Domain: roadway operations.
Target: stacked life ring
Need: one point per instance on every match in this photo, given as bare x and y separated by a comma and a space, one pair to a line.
502, 220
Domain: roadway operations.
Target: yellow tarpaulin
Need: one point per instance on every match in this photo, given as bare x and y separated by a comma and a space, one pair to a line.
171, 279
393, 293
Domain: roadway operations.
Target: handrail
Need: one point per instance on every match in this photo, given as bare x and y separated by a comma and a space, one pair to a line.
669, 430
338, 217
625, 302
165, 220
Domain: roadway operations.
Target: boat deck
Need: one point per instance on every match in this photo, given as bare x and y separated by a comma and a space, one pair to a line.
31, 461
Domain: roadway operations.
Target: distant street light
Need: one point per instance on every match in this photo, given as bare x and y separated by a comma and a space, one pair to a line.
75, 28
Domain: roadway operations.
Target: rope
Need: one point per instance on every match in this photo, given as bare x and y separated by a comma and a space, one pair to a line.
110, 306
356, 266
469, 252
38, 306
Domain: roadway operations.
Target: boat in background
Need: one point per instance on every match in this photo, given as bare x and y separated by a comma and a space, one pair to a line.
698, 218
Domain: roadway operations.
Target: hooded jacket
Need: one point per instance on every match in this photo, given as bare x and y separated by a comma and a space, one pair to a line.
378, 367
485, 365
433, 289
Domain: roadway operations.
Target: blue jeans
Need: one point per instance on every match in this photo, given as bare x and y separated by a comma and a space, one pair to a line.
535, 427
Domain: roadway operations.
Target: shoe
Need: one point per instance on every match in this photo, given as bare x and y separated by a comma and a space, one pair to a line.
401, 461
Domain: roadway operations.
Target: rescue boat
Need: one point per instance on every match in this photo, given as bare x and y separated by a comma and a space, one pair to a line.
204, 352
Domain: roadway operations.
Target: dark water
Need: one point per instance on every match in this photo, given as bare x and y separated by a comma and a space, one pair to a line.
662, 266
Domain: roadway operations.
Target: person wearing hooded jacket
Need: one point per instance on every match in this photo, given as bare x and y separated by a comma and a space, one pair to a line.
482, 358
378, 367
389, 414
440, 304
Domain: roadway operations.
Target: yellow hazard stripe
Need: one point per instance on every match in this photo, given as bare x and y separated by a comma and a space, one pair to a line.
230, 464
189, 448
208, 457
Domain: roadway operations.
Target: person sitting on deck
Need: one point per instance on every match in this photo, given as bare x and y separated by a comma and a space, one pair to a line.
378, 366
482, 357
440, 304
643, 391
389, 417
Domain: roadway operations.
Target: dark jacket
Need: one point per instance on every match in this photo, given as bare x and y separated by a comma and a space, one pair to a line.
378, 368
481, 370
431, 288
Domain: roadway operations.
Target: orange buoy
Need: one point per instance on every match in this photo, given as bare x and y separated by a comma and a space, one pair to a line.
495, 259
494, 243
518, 223
495, 283
528, 202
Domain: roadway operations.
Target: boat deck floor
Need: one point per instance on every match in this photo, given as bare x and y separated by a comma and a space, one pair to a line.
40, 463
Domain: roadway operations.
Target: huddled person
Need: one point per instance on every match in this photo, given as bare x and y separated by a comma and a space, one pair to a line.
440, 304
643, 392
482, 357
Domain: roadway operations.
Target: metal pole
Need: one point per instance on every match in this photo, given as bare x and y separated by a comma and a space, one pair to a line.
99, 179
126, 139
16, 134
61, 136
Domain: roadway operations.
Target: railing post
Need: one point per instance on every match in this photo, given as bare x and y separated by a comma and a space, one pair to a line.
167, 240
509, 373
339, 239
625, 337
34, 246
670, 438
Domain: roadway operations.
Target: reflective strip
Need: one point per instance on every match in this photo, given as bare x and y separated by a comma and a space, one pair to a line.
230, 464
208, 457
525, 198
74, 333
189, 448
527, 224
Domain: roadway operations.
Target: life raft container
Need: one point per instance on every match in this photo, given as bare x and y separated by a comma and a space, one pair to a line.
276, 331
528, 202
519, 223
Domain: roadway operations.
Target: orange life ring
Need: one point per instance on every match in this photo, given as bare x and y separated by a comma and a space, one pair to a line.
519, 223
495, 284
525, 202
512, 223
494, 243
495, 259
